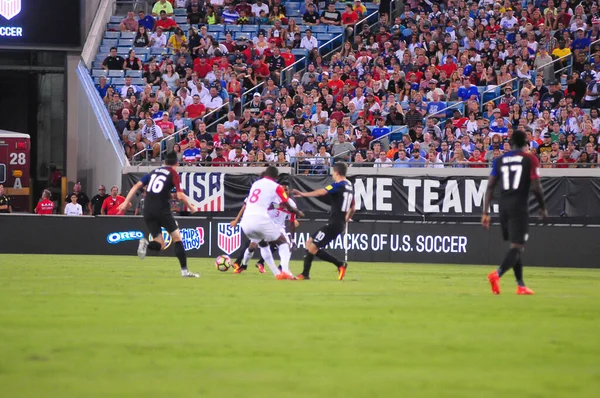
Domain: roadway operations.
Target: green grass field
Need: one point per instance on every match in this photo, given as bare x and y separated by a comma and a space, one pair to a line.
91, 326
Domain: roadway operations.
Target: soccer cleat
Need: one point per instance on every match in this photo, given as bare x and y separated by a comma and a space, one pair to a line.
301, 277
261, 267
342, 271
236, 265
282, 276
523, 290
142, 248
240, 269
494, 279
187, 274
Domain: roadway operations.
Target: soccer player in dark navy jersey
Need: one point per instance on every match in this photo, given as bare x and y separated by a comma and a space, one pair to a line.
157, 210
516, 172
341, 193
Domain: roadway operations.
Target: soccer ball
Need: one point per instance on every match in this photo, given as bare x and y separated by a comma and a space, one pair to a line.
223, 263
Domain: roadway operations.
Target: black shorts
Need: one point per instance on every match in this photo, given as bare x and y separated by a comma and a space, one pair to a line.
154, 222
325, 235
515, 226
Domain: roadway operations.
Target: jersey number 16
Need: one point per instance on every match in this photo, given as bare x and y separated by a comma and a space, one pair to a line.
157, 183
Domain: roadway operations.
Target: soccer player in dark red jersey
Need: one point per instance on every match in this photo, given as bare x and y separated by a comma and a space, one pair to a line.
157, 210
516, 171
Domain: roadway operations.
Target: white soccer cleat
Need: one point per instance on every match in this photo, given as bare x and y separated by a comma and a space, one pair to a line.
142, 248
188, 274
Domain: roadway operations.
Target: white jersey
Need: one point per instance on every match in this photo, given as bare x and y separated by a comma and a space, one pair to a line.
262, 195
73, 209
279, 215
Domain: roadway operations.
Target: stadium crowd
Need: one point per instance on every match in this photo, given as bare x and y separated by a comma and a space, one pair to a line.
444, 84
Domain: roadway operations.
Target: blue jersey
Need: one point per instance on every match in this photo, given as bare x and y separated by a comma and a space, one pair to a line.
159, 184
515, 171
342, 199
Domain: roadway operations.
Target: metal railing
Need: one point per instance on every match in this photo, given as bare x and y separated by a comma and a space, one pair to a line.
288, 71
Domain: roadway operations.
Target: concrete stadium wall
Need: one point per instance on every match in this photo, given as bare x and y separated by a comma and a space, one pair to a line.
411, 242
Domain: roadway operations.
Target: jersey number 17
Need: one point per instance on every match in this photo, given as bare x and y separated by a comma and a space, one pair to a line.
511, 176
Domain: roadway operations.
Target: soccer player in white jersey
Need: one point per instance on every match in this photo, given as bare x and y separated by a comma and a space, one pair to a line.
261, 229
73, 208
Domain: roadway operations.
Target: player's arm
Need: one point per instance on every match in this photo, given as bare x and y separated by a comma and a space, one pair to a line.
127, 202
311, 194
186, 201
238, 217
350, 212
536, 185
489, 195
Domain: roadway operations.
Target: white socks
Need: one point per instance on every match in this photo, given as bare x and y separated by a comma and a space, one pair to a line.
266, 254
247, 256
285, 254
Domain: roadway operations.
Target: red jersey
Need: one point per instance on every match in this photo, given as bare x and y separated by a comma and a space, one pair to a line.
335, 86
202, 69
288, 59
111, 205
45, 206
165, 125
349, 18
195, 110
166, 24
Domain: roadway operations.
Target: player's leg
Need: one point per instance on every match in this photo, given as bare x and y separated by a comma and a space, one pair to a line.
157, 243
282, 245
173, 229
248, 253
240, 260
315, 247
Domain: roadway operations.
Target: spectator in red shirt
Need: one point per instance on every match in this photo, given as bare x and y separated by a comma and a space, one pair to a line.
45, 205
564, 159
219, 158
166, 126
166, 23
288, 57
335, 84
449, 67
349, 18
111, 204
202, 67
476, 160
195, 109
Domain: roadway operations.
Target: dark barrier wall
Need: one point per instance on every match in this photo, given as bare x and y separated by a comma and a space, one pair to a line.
392, 195
367, 241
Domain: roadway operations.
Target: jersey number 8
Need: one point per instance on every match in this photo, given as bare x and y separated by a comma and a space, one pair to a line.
157, 183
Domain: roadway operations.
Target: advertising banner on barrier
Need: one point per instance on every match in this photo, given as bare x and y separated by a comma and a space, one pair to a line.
410, 242
393, 195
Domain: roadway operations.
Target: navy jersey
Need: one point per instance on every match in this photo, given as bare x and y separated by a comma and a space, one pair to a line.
159, 184
515, 171
342, 198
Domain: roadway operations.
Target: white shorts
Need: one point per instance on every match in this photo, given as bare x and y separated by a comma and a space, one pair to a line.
258, 229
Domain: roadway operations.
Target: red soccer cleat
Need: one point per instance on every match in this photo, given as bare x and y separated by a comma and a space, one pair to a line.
494, 281
342, 271
261, 268
523, 290
239, 270
282, 276
301, 277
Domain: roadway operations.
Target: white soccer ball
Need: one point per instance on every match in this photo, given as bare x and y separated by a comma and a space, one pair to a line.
223, 262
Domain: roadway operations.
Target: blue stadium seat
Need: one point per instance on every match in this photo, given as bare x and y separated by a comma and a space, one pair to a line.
138, 81
97, 80
104, 49
125, 42
215, 28
116, 19
324, 37
319, 29
96, 64
157, 51
299, 52
233, 28
249, 28
291, 13
180, 11
133, 73
110, 42
127, 35
98, 72
180, 19
118, 81
142, 50
112, 35
116, 73
113, 27
336, 30
100, 57
185, 27
123, 51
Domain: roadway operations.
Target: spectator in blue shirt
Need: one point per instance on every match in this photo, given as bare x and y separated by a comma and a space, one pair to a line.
380, 130
468, 91
435, 107
147, 21
417, 160
402, 160
581, 42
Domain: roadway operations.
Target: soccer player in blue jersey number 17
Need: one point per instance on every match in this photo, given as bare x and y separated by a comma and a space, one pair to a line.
517, 172
157, 210
341, 193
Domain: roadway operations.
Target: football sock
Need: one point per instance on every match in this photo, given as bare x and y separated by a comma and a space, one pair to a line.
511, 258
268, 256
285, 254
308, 258
180, 253
518, 270
323, 255
154, 245
247, 256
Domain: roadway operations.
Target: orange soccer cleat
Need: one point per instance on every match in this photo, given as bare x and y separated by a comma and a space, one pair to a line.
282, 276
301, 277
494, 279
261, 267
342, 271
523, 290
239, 270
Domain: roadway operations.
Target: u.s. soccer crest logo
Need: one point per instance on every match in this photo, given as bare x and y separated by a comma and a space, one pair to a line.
229, 238
10, 8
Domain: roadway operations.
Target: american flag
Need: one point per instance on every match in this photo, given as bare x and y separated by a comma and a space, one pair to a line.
229, 238
10, 8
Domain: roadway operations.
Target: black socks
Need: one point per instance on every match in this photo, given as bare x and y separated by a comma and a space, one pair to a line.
154, 245
512, 258
180, 253
308, 258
